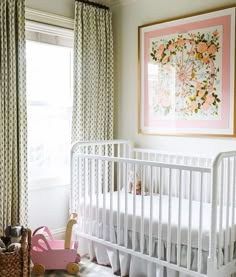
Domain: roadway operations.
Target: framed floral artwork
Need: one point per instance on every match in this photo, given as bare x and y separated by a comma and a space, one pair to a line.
187, 75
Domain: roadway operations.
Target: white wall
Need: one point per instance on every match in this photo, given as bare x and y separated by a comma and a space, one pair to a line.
58, 7
126, 21
49, 207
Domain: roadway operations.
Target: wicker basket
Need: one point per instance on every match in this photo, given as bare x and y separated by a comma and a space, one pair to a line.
17, 264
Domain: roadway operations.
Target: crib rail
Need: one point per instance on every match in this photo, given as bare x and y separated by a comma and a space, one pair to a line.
181, 159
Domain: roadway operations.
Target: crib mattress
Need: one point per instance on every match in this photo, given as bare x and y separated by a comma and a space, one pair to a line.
137, 216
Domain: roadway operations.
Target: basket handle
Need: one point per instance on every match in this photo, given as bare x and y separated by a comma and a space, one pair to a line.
43, 229
26, 237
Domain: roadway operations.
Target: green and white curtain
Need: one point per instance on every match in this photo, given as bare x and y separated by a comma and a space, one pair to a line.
13, 120
93, 74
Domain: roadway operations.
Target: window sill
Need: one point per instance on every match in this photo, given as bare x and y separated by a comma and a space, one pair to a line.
47, 187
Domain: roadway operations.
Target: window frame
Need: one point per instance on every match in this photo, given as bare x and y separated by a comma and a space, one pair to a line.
49, 34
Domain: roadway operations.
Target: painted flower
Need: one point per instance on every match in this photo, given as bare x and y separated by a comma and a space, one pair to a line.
210, 99
161, 48
205, 106
192, 53
211, 88
165, 59
212, 49
205, 60
193, 105
202, 47
201, 93
215, 33
160, 51
198, 85
158, 55
171, 47
180, 42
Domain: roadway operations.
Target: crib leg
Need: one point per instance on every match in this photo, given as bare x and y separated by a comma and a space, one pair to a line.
211, 268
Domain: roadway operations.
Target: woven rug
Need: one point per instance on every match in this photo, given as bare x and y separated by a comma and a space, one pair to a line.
87, 268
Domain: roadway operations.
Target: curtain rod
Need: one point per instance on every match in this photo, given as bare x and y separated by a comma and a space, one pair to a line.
93, 4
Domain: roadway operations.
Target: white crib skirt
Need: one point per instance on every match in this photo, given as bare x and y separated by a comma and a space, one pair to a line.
123, 264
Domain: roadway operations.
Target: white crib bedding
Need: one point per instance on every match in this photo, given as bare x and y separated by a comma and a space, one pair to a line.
206, 216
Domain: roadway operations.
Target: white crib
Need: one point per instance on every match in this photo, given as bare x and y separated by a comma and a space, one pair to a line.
183, 222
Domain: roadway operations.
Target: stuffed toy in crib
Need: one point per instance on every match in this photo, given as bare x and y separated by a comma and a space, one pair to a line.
138, 184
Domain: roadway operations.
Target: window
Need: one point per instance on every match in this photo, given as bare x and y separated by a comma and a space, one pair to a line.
49, 97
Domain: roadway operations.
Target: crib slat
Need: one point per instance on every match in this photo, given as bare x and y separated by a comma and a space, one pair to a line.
91, 182
185, 161
208, 188
160, 217
94, 180
111, 194
190, 197
118, 203
142, 209
134, 211
85, 193
143, 155
221, 214
75, 185
226, 255
126, 208
105, 188
118, 150
124, 165
176, 182
80, 191
233, 209
179, 219
169, 215
155, 189
205, 188
151, 213
97, 197
200, 225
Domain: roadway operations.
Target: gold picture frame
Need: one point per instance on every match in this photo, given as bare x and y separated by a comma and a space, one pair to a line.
187, 75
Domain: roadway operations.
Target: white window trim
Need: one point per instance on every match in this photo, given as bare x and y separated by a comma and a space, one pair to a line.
47, 187
48, 29
48, 18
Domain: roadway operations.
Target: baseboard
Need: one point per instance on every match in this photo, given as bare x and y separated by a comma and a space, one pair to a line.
59, 233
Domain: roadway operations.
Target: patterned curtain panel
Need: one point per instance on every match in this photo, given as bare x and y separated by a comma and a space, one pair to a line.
13, 120
93, 74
